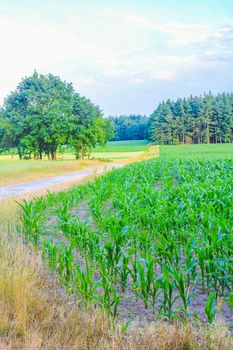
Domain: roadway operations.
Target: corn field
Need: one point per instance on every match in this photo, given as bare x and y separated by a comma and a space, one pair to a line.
154, 236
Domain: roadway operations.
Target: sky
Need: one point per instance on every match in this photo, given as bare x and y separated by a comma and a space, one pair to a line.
126, 56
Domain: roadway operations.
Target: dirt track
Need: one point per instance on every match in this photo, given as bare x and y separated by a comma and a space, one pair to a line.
21, 188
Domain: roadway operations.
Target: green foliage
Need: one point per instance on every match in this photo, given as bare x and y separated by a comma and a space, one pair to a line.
44, 113
129, 127
207, 119
211, 308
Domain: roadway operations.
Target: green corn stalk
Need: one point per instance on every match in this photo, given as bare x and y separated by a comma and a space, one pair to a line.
66, 263
185, 291
30, 218
49, 253
85, 284
167, 286
230, 300
211, 307
63, 214
124, 271
109, 299
146, 275
154, 292
200, 252
135, 275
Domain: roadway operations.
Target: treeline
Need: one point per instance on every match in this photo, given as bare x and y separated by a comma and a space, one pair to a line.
130, 127
44, 113
207, 119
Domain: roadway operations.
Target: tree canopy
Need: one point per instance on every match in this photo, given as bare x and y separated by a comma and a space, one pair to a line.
130, 127
44, 113
203, 119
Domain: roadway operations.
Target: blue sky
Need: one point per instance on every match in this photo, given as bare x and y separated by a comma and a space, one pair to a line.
127, 55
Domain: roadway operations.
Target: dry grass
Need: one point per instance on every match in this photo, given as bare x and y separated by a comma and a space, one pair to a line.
18, 171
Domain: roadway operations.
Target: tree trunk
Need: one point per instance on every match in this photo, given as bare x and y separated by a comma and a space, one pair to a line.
83, 151
20, 154
54, 153
89, 153
207, 135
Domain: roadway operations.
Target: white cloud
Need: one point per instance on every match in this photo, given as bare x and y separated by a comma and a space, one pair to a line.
106, 48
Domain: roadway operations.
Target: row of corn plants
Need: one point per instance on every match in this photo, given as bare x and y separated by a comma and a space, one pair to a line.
158, 231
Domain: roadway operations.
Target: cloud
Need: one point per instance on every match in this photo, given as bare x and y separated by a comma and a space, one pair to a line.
107, 49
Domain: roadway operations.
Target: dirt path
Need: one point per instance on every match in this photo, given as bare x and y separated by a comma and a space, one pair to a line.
21, 188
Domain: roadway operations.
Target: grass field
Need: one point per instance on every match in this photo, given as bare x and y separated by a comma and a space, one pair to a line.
211, 151
123, 146
121, 150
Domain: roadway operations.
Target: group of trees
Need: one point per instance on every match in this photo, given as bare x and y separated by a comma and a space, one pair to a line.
130, 127
207, 119
44, 113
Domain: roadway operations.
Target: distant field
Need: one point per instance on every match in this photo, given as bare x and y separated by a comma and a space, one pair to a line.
124, 146
121, 150
212, 151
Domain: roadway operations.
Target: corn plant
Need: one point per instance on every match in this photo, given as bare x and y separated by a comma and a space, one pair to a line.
146, 275
109, 298
124, 271
85, 284
66, 263
50, 253
211, 307
31, 221
154, 292
185, 291
167, 285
